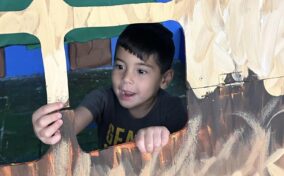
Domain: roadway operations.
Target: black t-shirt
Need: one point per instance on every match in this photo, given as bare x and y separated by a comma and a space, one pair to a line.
116, 125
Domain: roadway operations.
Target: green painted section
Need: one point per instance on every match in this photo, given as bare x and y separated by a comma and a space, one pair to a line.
14, 5
85, 3
18, 39
86, 34
17, 5
75, 35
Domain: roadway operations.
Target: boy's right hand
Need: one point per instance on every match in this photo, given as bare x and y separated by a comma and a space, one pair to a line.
47, 121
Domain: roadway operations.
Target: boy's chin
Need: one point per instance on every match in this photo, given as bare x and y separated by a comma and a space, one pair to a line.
126, 105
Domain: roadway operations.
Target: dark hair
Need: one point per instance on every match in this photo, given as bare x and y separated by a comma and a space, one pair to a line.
146, 39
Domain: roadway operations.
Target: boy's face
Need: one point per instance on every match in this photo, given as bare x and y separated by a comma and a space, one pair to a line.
134, 81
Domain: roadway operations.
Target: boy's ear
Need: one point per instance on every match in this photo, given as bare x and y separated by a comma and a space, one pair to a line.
167, 78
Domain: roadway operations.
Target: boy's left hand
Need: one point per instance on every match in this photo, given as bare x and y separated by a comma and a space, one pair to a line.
152, 139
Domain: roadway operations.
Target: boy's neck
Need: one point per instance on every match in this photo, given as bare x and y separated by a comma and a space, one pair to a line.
141, 112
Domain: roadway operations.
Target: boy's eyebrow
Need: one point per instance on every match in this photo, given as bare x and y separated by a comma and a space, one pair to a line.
118, 59
145, 64
142, 63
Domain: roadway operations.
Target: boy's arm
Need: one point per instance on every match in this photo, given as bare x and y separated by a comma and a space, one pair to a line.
152, 139
83, 117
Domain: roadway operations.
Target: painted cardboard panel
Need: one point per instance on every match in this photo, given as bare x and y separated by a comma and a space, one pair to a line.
235, 127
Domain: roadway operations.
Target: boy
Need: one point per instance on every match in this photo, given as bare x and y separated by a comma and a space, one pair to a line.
136, 105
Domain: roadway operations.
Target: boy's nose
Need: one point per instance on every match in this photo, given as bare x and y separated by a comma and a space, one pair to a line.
128, 77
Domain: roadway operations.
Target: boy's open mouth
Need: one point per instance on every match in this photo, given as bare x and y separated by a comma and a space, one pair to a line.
126, 94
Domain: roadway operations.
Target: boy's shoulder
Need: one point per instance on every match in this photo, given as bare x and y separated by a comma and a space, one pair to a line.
165, 99
101, 90
164, 95
100, 94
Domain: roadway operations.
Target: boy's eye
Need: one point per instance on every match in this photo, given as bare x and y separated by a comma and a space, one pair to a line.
119, 66
142, 72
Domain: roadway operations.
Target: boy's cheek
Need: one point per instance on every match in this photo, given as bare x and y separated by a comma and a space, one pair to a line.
114, 81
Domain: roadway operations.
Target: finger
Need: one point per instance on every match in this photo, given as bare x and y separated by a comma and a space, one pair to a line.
157, 139
54, 139
44, 110
165, 134
149, 140
50, 130
139, 141
47, 120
